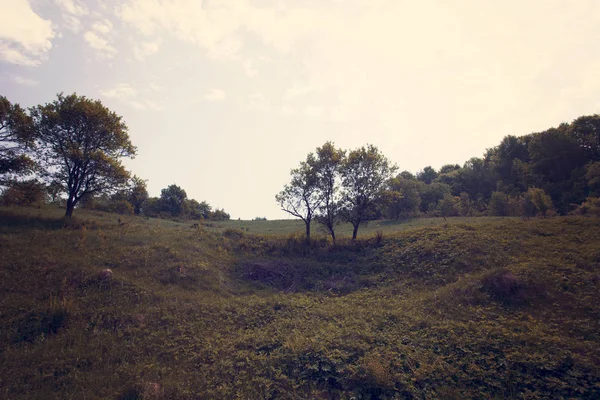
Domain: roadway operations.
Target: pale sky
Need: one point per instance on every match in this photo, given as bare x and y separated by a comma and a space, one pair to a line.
223, 98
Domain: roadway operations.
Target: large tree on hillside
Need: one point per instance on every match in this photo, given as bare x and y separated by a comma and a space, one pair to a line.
16, 135
300, 197
365, 173
326, 165
80, 144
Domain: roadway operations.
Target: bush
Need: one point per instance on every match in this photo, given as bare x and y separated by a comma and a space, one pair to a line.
591, 206
24, 193
503, 286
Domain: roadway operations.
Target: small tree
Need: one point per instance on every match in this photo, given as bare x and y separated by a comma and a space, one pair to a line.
498, 205
137, 194
172, 200
405, 199
81, 142
465, 205
326, 166
541, 201
365, 173
300, 197
449, 206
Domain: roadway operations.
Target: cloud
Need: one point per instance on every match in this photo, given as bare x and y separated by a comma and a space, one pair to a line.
121, 91
72, 11
145, 49
128, 95
258, 102
296, 90
145, 105
25, 38
215, 96
25, 81
103, 48
103, 27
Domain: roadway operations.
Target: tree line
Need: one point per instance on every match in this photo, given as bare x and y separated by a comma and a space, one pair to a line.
69, 151
543, 173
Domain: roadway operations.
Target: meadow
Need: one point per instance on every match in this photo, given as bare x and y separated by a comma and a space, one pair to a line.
428, 308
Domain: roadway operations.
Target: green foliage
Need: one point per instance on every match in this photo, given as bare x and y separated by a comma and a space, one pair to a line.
407, 200
301, 198
449, 206
365, 173
80, 143
24, 193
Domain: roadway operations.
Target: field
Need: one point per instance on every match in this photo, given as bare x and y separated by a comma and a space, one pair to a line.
463, 308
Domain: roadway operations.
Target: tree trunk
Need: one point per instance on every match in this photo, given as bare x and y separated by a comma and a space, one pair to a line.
332, 234
307, 230
70, 207
355, 231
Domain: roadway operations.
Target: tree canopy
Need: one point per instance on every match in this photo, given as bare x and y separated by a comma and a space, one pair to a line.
80, 143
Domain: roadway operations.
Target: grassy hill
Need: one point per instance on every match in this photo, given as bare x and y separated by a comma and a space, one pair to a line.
485, 308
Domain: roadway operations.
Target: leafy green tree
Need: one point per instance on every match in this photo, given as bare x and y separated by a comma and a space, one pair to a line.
465, 204
365, 173
301, 198
172, 200
449, 206
449, 168
407, 200
428, 175
592, 175
80, 143
137, 194
431, 195
499, 205
541, 201
16, 136
326, 165
586, 132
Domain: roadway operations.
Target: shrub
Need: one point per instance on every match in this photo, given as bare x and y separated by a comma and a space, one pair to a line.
24, 193
503, 286
591, 206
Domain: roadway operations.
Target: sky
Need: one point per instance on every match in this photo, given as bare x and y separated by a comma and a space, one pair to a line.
224, 98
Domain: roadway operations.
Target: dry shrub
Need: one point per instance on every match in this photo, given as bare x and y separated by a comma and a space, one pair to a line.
503, 286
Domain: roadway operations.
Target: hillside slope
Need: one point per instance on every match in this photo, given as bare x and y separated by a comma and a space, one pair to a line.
502, 309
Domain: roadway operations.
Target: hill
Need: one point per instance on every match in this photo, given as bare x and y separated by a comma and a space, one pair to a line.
492, 308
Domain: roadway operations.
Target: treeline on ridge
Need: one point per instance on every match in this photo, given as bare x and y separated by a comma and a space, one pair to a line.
69, 152
556, 171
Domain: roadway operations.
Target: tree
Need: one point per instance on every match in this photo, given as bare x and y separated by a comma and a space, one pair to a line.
137, 193
427, 175
449, 206
16, 135
300, 197
498, 206
586, 132
365, 173
465, 204
81, 142
405, 200
172, 200
541, 201
326, 166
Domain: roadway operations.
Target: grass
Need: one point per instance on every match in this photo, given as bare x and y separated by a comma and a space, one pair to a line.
296, 226
483, 308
